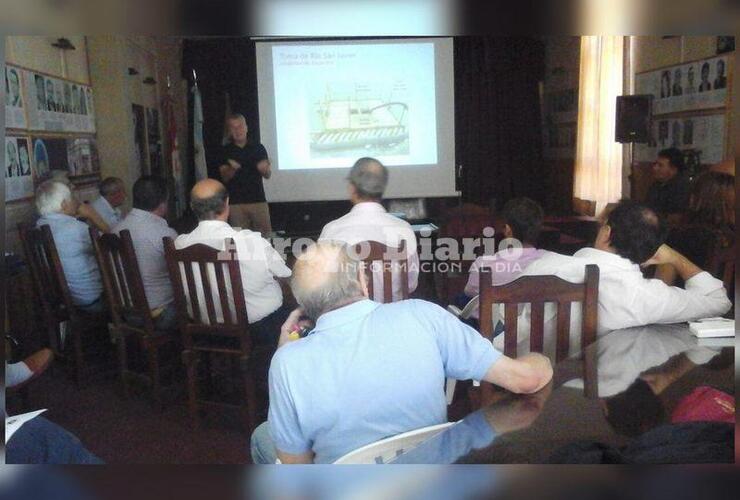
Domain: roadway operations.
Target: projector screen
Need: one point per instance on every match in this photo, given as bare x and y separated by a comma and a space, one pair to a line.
323, 105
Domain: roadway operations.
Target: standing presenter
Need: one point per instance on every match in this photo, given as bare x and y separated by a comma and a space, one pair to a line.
244, 166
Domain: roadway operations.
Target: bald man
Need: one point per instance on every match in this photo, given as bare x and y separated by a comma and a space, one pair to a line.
259, 263
369, 221
368, 371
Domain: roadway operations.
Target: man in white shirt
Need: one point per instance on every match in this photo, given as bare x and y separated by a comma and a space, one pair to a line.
631, 236
260, 264
112, 196
369, 221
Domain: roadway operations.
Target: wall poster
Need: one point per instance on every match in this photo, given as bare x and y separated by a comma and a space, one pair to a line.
15, 115
686, 87
703, 134
18, 171
56, 105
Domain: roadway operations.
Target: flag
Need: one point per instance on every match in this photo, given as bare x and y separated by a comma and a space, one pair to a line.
175, 163
199, 151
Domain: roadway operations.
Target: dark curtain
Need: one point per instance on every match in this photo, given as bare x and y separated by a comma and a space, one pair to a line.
497, 118
497, 109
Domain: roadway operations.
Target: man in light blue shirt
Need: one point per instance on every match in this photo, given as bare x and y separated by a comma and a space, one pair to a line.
108, 204
57, 207
147, 227
368, 371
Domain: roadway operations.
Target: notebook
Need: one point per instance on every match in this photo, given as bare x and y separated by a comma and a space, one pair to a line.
712, 328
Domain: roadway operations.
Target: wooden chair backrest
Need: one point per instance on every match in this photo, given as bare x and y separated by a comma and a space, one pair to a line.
537, 290
124, 286
390, 259
722, 266
47, 272
216, 286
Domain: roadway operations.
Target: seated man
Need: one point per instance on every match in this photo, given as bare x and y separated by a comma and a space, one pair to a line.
522, 219
147, 226
259, 263
368, 371
632, 235
112, 196
57, 207
368, 221
669, 194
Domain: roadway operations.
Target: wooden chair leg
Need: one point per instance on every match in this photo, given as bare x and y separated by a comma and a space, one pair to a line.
153, 355
190, 359
120, 340
79, 359
250, 409
590, 374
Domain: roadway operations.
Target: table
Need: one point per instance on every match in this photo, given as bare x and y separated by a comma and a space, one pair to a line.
641, 375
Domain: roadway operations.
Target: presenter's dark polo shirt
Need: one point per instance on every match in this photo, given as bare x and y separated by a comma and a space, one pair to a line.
246, 185
669, 197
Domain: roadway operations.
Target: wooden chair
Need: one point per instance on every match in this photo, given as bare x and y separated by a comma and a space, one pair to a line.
130, 311
200, 297
381, 254
52, 289
722, 266
537, 290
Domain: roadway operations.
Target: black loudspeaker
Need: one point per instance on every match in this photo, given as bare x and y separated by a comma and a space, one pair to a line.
634, 117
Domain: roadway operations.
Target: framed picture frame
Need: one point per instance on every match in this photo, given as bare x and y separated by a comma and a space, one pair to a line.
725, 44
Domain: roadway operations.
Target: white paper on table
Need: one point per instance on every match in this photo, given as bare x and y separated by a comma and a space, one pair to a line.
12, 424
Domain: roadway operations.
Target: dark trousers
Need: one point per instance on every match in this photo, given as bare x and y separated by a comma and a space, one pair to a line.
266, 332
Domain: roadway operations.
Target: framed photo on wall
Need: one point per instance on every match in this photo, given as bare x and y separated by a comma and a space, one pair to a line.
15, 112
18, 170
725, 44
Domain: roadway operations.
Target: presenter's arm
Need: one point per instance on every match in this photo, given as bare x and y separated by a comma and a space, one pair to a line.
265, 168
228, 169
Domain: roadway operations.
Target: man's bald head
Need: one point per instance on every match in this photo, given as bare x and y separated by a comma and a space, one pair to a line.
326, 276
209, 200
369, 178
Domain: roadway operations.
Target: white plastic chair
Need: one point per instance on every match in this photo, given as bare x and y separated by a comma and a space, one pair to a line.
387, 449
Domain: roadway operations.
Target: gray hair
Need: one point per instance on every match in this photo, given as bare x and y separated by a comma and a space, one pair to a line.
326, 276
369, 177
236, 116
50, 195
110, 185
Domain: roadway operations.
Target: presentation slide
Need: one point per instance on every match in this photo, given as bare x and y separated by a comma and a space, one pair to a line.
323, 105
342, 102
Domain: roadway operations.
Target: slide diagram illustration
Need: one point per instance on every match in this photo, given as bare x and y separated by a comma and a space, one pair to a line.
362, 121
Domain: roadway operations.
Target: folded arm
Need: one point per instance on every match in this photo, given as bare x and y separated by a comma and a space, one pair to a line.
93, 218
524, 375
703, 295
